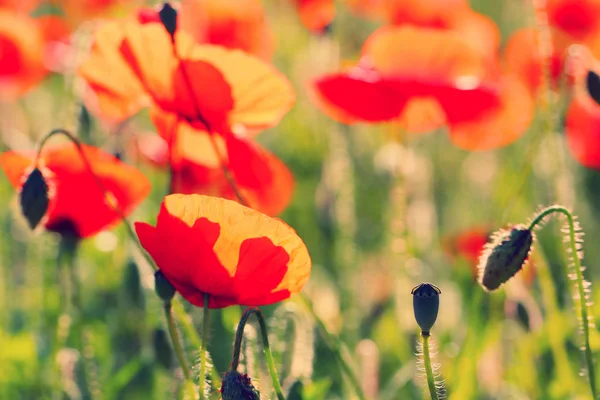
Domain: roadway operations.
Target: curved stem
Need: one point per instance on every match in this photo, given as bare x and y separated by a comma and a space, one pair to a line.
428, 367
335, 345
226, 172
204, 349
580, 287
177, 346
239, 335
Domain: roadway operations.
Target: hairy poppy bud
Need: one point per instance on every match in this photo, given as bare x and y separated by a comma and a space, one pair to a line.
504, 256
163, 288
163, 353
592, 83
426, 303
238, 386
168, 17
34, 198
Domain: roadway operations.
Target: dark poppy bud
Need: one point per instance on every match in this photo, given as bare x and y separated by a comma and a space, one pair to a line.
163, 353
34, 198
163, 288
504, 256
168, 17
426, 303
592, 82
237, 386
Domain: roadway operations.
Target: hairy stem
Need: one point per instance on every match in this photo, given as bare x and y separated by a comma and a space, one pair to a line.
237, 347
205, 323
579, 285
177, 346
428, 367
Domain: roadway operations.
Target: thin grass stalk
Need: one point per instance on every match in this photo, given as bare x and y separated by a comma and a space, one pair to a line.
178, 348
206, 320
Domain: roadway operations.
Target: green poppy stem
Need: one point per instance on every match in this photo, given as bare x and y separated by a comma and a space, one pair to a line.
177, 346
204, 348
237, 347
579, 282
428, 367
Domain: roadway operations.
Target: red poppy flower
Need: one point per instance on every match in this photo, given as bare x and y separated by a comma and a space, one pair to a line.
19, 5
233, 253
583, 130
21, 55
263, 180
522, 57
228, 89
578, 18
235, 24
79, 206
468, 245
315, 15
425, 13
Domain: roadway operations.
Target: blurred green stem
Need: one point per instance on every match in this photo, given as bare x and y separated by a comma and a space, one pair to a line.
237, 347
335, 345
579, 282
428, 367
177, 346
204, 349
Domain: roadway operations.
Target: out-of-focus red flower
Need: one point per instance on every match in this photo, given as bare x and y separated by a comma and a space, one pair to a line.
236, 255
79, 207
228, 89
316, 15
583, 130
235, 24
425, 13
468, 245
263, 180
578, 18
21, 55
522, 57
19, 5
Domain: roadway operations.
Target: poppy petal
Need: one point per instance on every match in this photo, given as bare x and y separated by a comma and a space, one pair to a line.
315, 15
422, 115
14, 165
498, 126
425, 13
583, 131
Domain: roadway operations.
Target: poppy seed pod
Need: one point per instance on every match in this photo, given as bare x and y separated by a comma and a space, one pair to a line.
504, 256
163, 288
168, 17
237, 386
34, 198
592, 83
426, 303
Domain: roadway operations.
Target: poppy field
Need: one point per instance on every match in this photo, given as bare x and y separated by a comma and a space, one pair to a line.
299, 199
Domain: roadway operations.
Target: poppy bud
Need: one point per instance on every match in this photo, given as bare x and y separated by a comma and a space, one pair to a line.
505, 256
238, 386
426, 303
168, 17
162, 348
163, 288
34, 198
592, 83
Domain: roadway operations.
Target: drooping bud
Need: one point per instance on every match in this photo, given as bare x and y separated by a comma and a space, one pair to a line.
34, 197
426, 304
163, 288
237, 386
168, 17
504, 256
592, 83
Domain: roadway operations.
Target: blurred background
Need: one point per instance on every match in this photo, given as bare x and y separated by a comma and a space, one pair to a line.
380, 209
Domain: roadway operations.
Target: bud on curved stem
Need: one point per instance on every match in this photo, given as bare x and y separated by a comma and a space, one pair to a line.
237, 347
582, 289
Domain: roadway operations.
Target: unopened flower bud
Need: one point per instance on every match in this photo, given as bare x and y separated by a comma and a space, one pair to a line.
163, 288
34, 197
168, 17
504, 256
592, 83
426, 304
237, 386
